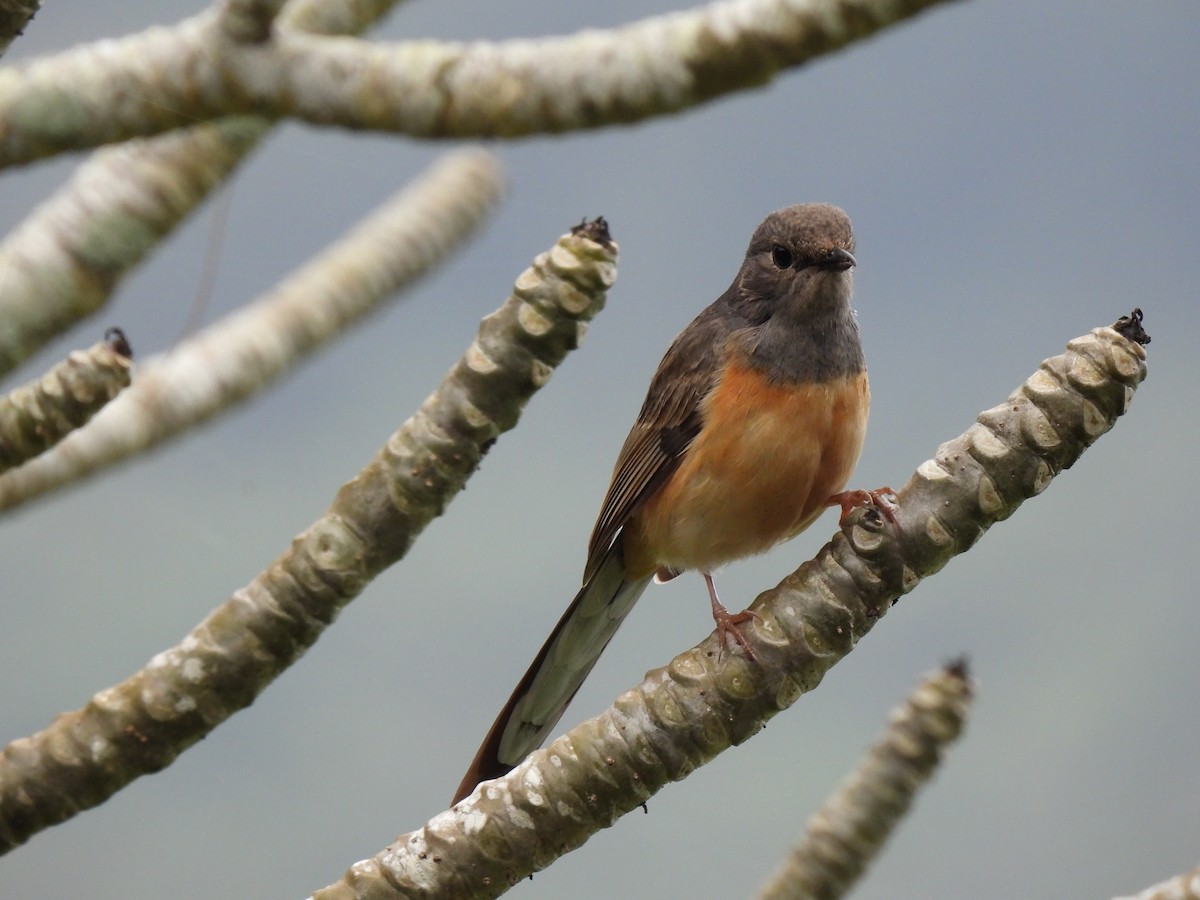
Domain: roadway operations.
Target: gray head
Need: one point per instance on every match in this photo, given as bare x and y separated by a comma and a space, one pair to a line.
799, 250
794, 291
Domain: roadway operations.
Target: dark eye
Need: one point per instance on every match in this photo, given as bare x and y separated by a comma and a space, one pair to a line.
781, 256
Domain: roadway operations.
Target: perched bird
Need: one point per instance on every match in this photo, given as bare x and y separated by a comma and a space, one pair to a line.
751, 427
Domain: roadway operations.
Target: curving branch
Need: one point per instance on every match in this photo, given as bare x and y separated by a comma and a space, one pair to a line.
142, 724
166, 78
682, 716
846, 834
248, 350
36, 416
69, 255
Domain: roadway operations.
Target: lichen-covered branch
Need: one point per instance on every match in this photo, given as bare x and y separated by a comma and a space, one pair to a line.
683, 715
164, 79
36, 416
64, 261
1181, 887
248, 350
845, 835
143, 723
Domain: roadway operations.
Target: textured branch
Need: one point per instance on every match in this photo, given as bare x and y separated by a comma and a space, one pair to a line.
1181, 887
142, 724
850, 829
167, 78
682, 716
248, 350
36, 416
68, 256
248, 21
14, 16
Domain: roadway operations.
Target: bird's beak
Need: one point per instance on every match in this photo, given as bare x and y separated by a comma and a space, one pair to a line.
839, 260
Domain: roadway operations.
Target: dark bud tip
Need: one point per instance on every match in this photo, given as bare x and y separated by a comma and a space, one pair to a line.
1130, 328
595, 230
116, 339
959, 668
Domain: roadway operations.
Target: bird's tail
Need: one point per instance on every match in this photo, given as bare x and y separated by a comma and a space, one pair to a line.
556, 672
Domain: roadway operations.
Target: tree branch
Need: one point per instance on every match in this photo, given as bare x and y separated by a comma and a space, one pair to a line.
36, 416
164, 79
14, 16
682, 716
142, 724
846, 834
68, 256
247, 351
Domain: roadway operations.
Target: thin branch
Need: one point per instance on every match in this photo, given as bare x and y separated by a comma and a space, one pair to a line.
250, 349
142, 724
682, 716
36, 416
167, 78
848, 832
65, 260
69, 255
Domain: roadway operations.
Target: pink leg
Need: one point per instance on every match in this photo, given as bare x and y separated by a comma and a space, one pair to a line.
727, 622
876, 499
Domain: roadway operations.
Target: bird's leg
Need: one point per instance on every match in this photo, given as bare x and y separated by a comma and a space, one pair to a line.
877, 499
727, 622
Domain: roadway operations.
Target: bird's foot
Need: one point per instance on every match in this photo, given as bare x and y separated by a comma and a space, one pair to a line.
882, 500
727, 622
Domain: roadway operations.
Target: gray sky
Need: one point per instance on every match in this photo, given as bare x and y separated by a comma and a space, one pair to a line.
1017, 172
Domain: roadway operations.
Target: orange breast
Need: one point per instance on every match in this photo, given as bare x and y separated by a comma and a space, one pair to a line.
765, 462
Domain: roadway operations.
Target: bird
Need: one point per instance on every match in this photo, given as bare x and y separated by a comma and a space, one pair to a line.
751, 428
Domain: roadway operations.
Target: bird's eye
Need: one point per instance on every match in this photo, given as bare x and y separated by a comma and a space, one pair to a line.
781, 256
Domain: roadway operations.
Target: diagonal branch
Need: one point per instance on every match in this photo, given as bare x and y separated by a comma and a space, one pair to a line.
164, 79
848, 832
683, 715
142, 724
15, 15
36, 416
247, 351
69, 255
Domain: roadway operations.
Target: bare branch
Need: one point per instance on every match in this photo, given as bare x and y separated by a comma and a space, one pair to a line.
14, 16
165, 78
36, 416
142, 724
248, 21
848, 832
65, 260
682, 716
248, 350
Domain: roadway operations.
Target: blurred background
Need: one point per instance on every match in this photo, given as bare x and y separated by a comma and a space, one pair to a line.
1017, 172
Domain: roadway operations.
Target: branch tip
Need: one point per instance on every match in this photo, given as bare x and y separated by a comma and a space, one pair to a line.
959, 667
116, 339
595, 230
1130, 327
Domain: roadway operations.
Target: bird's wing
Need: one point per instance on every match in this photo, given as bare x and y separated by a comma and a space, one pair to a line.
669, 421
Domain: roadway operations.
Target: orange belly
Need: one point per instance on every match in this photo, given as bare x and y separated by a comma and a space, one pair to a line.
765, 462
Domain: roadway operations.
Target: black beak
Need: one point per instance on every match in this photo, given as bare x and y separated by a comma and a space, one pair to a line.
838, 260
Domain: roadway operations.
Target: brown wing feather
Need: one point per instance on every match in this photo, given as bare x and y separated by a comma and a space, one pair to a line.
669, 421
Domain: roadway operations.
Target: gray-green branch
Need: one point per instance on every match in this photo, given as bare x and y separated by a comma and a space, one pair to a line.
142, 724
